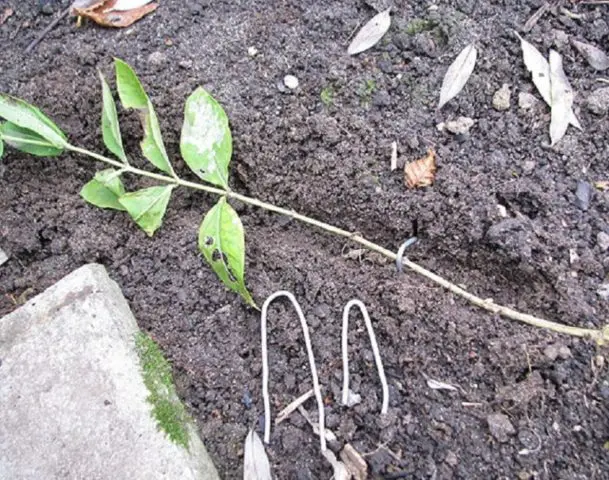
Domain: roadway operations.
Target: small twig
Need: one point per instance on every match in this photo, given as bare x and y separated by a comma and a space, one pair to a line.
599, 335
292, 407
400, 254
375, 351
265, 367
531, 22
46, 31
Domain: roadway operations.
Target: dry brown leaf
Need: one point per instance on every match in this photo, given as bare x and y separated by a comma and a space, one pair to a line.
8, 12
602, 185
105, 14
421, 172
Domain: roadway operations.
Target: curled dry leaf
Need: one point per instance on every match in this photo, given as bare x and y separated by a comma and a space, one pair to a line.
421, 173
371, 33
105, 13
458, 74
562, 98
539, 67
255, 462
593, 55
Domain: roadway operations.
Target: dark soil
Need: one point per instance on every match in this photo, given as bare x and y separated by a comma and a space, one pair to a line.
332, 162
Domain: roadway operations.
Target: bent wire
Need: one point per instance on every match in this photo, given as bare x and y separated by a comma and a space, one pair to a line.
265, 368
400, 254
375, 351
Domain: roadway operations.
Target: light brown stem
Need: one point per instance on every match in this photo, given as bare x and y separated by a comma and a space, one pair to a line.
601, 336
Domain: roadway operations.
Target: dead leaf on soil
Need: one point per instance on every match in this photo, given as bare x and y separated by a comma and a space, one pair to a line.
595, 57
562, 98
371, 33
458, 74
421, 173
8, 12
339, 468
255, 462
111, 13
539, 67
356, 465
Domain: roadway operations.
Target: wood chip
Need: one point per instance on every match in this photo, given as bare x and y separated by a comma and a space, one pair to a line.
354, 462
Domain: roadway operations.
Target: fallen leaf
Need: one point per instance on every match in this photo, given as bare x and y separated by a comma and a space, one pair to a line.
421, 173
371, 33
8, 12
394, 155
437, 385
562, 98
593, 55
87, 3
539, 67
339, 468
354, 462
458, 74
105, 13
255, 462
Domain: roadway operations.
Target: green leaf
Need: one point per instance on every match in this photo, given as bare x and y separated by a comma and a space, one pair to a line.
147, 207
152, 144
29, 117
104, 190
110, 129
27, 141
129, 87
206, 142
132, 95
222, 244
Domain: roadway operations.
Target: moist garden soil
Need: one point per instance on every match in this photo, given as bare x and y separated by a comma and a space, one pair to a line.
330, 159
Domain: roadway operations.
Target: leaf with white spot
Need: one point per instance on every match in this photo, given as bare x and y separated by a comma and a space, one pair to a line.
593, 55
255, 462
562, 98
371, 33
539, 67
458, 74
206, 143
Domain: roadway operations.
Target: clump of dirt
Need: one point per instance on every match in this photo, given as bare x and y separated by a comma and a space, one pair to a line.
522, 410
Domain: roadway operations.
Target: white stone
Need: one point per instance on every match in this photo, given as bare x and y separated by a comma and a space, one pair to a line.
501, 98
252, 51
290, 81
74, 404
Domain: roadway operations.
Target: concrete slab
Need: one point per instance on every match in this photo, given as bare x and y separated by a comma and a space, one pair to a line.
85, 395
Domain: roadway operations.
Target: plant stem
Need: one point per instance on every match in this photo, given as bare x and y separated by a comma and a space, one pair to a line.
601, 336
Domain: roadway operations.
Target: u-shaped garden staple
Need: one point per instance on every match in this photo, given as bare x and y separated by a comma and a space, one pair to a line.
265, 368
375, 351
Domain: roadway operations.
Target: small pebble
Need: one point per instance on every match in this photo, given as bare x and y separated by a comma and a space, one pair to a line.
583, 194
561, 39
526, 101
252, 51
459, 126
501, 98
157, 58
451, 458
598, 101
602, 240
529, 166
500, 427
603, 291
290, 81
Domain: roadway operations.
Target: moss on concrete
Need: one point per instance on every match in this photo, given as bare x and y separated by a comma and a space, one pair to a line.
167, 409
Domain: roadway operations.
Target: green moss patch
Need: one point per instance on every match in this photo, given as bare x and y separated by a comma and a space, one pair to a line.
167, 409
